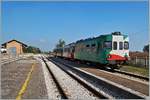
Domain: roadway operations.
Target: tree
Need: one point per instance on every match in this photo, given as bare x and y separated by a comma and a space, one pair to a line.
31, 49
61, 43
146, 48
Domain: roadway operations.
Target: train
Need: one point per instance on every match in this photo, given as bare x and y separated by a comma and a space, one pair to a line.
108, 50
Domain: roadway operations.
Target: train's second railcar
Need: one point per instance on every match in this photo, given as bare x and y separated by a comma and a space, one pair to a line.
68, 51
58, 52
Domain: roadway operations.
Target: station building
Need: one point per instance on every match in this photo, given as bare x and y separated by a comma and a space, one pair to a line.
14, 47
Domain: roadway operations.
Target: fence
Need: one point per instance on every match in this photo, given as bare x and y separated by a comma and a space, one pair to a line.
140, 61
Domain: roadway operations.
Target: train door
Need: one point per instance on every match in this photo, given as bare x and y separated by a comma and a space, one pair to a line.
72, 53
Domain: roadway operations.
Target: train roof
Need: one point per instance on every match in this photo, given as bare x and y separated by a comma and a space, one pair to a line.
68, 45
83, 40
100, 36
92, 38
58, 48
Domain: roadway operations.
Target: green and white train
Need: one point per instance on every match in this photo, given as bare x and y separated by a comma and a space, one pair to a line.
111, 49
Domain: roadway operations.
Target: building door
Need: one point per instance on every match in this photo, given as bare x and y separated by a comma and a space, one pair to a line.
12, 51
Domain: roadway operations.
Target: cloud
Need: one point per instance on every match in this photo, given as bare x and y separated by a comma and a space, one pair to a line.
42, 40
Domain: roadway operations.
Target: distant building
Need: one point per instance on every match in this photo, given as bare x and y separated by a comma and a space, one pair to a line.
3, 49
138, 54
14, 47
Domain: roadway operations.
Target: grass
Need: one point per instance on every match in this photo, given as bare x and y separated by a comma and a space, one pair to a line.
137, 70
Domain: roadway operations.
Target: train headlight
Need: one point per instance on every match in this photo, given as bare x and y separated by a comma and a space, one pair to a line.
127, 57
109, 56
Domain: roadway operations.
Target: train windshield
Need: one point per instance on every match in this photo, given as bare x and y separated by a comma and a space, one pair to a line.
114, 45
120, 45
108, 44
126, 45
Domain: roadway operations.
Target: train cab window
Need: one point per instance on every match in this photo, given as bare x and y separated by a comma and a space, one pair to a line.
93, 45
88, 45
107, 44
68, 49
126, 45
115, 45
120, 45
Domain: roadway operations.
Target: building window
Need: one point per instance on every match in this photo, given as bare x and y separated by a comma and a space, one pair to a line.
120, 45
115, 45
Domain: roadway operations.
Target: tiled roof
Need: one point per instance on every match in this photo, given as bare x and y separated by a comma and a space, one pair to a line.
138, 54
14, 40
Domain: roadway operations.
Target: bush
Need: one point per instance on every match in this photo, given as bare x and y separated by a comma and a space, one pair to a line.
31, 49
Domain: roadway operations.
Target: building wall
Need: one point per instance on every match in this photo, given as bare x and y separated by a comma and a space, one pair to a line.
16, 45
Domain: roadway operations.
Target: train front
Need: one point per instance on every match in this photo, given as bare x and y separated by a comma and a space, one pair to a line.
120, 49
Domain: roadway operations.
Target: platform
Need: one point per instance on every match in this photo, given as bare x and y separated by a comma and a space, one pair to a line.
23, 79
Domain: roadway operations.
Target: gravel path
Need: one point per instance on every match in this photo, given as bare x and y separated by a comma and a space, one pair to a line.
71, 87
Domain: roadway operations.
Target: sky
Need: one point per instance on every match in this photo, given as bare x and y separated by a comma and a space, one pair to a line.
42, 24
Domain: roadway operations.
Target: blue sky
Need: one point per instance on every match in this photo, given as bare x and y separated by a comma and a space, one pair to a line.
42, 24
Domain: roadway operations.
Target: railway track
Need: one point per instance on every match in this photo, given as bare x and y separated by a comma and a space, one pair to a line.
119, 73
61, 90
141, 85
104, 86
126, 73
132, 75
122, 72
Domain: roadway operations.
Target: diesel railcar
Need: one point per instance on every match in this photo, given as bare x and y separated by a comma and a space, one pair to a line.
58, 52
111, 49
68, 51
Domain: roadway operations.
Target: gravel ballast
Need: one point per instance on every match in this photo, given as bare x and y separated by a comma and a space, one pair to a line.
51, 88
72, 88
138, 86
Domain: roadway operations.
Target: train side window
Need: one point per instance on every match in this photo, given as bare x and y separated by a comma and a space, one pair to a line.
73, 49
120, 45
68, 49
88, 45
114, 45
65, 50
126, 45
107, 44
93, 45
99, 46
